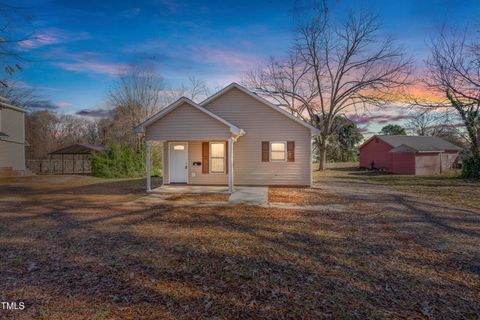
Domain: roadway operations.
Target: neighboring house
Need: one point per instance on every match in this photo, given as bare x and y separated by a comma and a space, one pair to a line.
12, 139
233, 137
418, 155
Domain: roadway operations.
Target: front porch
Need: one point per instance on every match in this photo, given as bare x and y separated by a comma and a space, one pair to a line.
197, 145
202, 165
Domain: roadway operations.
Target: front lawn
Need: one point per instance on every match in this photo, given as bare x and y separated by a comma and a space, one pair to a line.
317, 195
89, 252
448, 187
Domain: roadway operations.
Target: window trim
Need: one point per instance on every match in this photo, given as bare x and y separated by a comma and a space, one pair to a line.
284, 152
210, 157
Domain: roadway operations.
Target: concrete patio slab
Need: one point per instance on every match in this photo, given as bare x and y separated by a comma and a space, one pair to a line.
182, 188
250, 195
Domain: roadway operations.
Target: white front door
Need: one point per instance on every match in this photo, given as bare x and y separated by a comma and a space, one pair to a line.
178, 162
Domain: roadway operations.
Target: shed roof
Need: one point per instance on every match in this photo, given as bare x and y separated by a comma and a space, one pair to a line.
418, 144
79, 148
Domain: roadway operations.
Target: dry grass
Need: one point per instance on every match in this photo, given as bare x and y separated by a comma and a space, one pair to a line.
88, 254
304, 196
447, 188
198, 197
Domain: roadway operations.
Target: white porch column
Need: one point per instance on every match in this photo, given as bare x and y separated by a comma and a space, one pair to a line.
149, 179
230, 164
163, 161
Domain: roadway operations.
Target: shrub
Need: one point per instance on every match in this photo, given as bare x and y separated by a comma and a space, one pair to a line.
471, 168
121, 161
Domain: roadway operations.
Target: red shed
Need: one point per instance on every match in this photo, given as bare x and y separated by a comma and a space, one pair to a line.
419, 155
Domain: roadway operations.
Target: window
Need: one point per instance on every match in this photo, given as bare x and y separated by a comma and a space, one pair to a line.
179, 147
217, 157
278, 151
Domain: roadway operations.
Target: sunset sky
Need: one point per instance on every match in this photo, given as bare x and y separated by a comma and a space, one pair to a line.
80, 47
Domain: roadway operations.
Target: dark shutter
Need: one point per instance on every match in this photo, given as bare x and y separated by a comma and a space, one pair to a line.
205, 157
290, 151
265, 151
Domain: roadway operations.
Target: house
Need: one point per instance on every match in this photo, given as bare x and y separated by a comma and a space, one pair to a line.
418, 155
12, 139
233, 137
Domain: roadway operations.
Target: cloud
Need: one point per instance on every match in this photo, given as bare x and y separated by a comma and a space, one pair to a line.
52, 36
363, 130
205, 58
95, 113
43, 104
64, 104
95, 67
380, 118
222, 56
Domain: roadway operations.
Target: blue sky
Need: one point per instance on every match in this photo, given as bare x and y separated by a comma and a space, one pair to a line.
79, 47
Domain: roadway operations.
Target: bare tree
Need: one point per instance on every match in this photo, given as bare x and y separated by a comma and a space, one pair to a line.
428, 122
40, 132
47, 131
288, 83
453, 72
195, 89
135, 97
12, 24
92, 132
335, 66
18, 94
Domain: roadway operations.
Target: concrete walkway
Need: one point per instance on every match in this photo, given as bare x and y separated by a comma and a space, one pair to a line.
189, 189
249, 195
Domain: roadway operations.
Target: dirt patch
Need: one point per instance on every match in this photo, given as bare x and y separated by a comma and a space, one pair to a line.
303, 196
198, 197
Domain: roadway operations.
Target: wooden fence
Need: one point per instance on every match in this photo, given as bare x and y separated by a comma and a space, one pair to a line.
71, 165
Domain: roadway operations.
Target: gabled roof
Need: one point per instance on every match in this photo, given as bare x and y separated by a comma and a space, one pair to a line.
260, 99
416, 143
403, 148
80, 148
141, 127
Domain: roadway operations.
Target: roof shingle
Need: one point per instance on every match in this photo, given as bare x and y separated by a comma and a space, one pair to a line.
418, 144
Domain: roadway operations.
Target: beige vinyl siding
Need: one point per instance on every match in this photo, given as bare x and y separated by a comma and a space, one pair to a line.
195, 154
187, 123
12, 148
262, 123
195, 175
12, 155
12, 124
